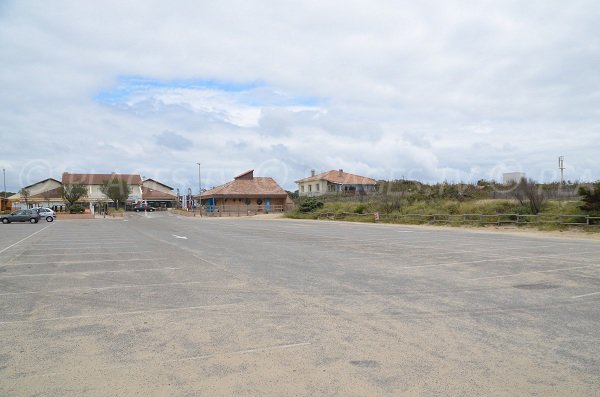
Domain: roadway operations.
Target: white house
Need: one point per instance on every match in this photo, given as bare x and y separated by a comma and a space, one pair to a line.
335, 182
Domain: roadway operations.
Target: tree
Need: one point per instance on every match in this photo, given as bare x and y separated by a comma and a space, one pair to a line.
71, 193
25, 194
528, 193
117, 190
47, 195
590, 198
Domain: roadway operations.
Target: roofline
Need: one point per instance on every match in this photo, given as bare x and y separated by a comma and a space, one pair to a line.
221, 195
335, 183
88, 178
321, 177
44, 180
244, 173
160, 183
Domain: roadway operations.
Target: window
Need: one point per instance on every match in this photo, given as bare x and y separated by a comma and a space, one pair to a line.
302, 188
310, 188
318, 186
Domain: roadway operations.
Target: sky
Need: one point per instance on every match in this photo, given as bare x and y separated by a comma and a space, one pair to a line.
434, 90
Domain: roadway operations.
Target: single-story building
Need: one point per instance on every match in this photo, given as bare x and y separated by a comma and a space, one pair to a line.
335, 182
157, 194
246, 193
43, 193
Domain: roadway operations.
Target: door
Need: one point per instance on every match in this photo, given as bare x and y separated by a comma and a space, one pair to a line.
22, 215
267, 205
210, 205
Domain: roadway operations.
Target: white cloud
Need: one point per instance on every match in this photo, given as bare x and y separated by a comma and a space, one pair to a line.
431, 90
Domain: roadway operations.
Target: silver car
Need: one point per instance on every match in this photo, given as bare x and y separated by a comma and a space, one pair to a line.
46, 213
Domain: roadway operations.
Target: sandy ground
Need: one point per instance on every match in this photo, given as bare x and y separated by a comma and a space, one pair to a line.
524, 231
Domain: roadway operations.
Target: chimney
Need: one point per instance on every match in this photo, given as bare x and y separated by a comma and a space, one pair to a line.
341, 171
312, 172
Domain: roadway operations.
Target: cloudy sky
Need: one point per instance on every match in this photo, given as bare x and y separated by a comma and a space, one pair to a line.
427, 90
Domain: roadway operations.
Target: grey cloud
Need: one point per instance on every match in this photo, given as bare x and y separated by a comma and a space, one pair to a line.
173, 140
428, 89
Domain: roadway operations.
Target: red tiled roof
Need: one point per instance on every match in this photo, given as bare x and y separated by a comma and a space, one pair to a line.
98, 179
255, 187
151, 194
340, 177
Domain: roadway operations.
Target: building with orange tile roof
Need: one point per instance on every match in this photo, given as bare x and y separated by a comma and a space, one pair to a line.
335, 182
246, 192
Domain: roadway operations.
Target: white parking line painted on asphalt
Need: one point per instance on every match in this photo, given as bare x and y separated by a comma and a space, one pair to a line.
85, 242
160, 269
133, 286
87, 249
534, 272
31, 235
255, 350
86, 253
182, 359
495, 259
68, 263
174, 309
584, 295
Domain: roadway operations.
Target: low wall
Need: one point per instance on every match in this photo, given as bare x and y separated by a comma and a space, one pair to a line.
66, 217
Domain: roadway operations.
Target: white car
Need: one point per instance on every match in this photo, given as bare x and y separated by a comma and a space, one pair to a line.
46, 213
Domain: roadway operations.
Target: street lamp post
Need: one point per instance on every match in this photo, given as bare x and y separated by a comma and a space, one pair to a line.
199, 188
2, 206
199, 179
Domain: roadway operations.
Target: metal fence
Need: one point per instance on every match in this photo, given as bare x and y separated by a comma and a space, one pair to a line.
476, 219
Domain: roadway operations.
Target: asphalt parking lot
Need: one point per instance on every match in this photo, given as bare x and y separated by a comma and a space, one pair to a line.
166, 305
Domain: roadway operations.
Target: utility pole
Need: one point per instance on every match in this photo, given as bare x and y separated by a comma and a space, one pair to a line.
199, 179
561, 167
3, 204
199, 189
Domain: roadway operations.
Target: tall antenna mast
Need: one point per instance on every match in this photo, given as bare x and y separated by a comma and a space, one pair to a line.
561, 167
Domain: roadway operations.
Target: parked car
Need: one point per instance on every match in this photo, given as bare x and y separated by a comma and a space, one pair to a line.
30, 216
46, 213
143, 207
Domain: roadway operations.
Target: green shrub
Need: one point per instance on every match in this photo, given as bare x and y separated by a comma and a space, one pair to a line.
76, 209
590, 199
360, 209
310, 204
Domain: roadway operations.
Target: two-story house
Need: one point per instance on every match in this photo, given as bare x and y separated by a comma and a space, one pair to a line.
335, 182
93, 182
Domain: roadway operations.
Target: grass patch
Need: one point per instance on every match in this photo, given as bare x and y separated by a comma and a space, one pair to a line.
448, 212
